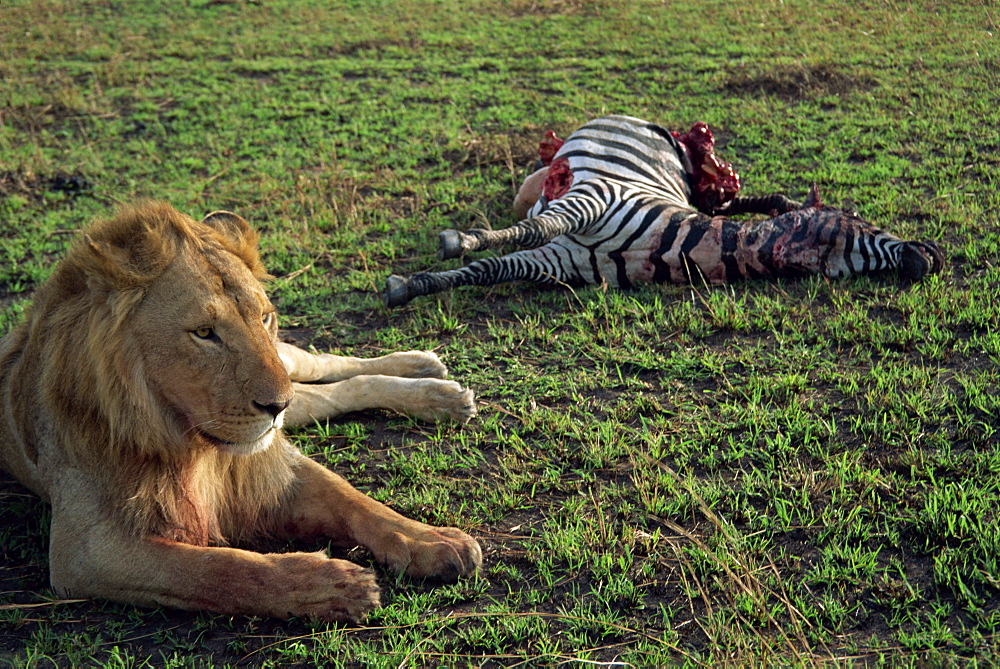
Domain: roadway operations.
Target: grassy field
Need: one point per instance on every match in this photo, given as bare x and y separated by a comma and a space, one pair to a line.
802, 473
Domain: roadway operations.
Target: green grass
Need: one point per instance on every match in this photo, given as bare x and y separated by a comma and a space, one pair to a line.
801, 473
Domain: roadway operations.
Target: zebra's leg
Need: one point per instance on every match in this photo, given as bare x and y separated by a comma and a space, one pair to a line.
546, 264
770, 205
527, 233
578, 208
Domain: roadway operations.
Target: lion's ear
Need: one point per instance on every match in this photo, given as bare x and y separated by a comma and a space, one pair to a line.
127, 251
230, 225
106, 266
241, 239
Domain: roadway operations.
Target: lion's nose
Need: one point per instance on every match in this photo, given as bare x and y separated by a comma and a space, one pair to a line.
274, 408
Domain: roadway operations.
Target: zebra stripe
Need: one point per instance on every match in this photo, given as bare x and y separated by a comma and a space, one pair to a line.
628, 151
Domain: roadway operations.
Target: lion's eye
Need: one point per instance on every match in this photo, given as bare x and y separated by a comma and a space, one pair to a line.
268, 317
203, 333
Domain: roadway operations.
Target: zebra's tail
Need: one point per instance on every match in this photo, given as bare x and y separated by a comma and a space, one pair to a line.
918, 259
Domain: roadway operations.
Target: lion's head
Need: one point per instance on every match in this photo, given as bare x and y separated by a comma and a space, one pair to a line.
155, 341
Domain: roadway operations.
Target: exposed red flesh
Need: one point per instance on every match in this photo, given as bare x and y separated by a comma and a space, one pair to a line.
549, 146
559, 177
558, 180
714, 181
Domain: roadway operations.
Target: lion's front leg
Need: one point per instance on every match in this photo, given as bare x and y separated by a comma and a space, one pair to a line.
326, 505
327, 368
90, 556
427, 399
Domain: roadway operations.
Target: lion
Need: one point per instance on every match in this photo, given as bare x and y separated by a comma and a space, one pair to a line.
144, 397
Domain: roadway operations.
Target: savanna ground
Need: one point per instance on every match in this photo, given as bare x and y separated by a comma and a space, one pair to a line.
794, 472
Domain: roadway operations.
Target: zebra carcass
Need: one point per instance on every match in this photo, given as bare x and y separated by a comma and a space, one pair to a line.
623, 202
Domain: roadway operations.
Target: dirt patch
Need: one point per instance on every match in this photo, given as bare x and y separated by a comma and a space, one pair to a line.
33, 185
797, 82
33, 118
409, 41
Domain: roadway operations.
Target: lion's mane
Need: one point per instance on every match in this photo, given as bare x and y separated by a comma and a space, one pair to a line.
82, 384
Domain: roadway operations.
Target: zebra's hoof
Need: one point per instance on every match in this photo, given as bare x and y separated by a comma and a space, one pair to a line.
449, 244
919, 259
396, 292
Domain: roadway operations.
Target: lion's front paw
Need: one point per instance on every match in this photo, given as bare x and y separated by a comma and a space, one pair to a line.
436, 399
424, 551
331, 590
354, 592
417, 365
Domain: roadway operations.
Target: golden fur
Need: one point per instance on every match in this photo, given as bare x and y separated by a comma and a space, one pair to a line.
144, 396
